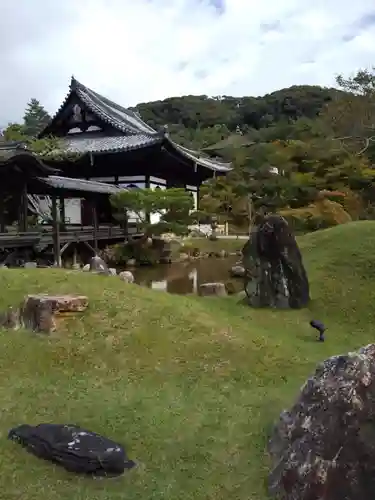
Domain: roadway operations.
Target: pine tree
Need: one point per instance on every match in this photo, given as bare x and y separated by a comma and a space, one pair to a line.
35, 118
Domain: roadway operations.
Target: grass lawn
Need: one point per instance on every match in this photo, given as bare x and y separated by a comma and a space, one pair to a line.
190, 385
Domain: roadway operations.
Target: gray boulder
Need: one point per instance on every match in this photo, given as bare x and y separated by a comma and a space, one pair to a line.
323, 448
237, 271
126, 276
213, 289
30, 265
97, 265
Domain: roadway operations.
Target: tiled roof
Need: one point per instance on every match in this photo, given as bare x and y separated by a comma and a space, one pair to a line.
81, 185
11, 148
204, 161
86, 143
137, 134
12, 145
121, 118
25, 163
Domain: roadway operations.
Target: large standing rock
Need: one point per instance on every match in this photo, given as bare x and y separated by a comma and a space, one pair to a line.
274, 271
97, 265
324, 447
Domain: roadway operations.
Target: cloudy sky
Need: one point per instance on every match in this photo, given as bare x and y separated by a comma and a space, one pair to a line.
140, 50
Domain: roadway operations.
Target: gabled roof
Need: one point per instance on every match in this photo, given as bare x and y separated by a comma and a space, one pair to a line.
121, 118
135, 133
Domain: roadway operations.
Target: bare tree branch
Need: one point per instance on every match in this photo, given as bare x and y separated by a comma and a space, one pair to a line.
367, 144
366, 140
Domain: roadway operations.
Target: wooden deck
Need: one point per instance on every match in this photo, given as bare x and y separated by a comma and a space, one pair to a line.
43, 238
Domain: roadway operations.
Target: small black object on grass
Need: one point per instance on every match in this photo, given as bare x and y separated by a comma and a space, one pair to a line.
318, 325
76, 449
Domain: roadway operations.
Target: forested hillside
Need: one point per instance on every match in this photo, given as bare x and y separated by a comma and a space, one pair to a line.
320, 140
200, 121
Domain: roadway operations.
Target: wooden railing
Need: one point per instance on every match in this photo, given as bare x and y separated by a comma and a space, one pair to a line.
87, 233
71, 234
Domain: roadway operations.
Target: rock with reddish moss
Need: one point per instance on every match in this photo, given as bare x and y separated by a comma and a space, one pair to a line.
323, 448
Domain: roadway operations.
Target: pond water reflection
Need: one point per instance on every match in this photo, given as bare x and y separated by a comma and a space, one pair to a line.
186, 277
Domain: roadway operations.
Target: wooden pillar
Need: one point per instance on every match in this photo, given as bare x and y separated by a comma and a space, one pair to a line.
62, 212
22, 222
95, 224
56, 233
2, 213
125, 225
147, 186
75, 260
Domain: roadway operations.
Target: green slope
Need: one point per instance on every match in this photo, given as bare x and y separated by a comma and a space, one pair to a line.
191, 385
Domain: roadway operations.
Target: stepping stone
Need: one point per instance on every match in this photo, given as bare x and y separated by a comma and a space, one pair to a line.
39, 313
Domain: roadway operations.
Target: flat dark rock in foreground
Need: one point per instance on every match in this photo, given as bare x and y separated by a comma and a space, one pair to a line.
76, 449
323, 448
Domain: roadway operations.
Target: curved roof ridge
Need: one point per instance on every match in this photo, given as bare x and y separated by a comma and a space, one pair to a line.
118, 116
60, 108
196, 156
127, 111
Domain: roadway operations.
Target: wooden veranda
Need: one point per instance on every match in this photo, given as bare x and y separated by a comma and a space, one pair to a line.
24, 174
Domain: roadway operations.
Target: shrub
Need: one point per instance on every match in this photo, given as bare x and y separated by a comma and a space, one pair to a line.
116, 255
322, 214
145, 252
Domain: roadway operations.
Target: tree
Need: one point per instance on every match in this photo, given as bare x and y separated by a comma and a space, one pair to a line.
174, 206
362, 83
48, 147
35, 118
351, 117
15, 132
227, 200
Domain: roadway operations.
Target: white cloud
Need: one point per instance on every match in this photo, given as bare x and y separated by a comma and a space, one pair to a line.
145, 50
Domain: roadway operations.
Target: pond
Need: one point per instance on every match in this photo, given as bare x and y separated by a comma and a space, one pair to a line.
185, 277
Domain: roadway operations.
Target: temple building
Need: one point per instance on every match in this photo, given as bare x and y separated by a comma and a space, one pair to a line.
114, 145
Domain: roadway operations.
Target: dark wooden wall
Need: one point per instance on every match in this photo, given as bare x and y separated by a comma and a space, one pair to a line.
147, 162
